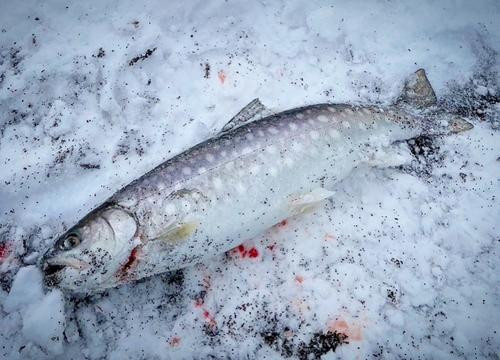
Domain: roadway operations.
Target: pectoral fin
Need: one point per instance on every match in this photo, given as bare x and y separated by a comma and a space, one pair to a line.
176, 232
306, 201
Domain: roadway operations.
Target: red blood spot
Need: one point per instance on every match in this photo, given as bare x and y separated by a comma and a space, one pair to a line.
299, 279
206, 314
5, 250
271, 247
175, 341
99, 308
199, 303
281, 73
283, 223
222, 77
242, 251
253, 253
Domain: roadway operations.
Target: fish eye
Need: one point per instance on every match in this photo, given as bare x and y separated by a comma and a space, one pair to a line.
70, 242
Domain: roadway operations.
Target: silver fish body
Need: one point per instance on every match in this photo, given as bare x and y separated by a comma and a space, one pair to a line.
221, 192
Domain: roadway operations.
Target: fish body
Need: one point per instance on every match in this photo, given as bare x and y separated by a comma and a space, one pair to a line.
223, 191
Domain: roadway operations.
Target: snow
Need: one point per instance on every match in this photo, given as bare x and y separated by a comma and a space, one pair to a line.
403, 260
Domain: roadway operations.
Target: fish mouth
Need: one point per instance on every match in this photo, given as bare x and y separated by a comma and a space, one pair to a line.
52, 268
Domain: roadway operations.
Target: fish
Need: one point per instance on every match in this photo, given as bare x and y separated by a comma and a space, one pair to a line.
254, 174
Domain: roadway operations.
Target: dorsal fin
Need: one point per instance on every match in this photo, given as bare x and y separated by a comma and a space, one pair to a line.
418, 91
246, 115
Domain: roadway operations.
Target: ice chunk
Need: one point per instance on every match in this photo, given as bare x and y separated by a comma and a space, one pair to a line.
44, 323
26, 289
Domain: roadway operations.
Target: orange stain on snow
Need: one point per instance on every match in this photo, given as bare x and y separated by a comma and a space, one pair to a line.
349, 328
330, 237
222, 77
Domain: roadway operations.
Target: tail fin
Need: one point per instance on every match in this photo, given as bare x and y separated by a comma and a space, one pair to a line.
418, 94
418, 91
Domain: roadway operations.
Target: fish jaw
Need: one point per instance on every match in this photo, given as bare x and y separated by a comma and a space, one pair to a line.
55, 268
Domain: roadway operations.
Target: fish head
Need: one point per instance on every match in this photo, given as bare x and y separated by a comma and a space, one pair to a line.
87, 256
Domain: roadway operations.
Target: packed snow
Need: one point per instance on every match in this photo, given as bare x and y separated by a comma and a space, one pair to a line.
402, 262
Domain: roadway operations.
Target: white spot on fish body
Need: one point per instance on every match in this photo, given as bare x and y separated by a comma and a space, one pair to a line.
223, 153
314, 135
346, 124
177, 187
186, 171
288, 161
297, 146
273, 171
349, 111
218, 183
202, 170
186, 205
249, 136
170, 209
246, 151
331, 109
273, 130
362, 126
293, 126
334, 134
311, 121
367, 111
299, 116
240, 188
254, 169
322, 118
271, 149
210, 157
261, 133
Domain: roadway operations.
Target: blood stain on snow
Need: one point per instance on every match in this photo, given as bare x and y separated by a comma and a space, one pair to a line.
299, 279
222, 77
352, 331
175, 341
243, 252
283, 223
330, 237
253, 253
5, 250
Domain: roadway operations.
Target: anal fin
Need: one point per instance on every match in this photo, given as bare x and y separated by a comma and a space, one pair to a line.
307, 200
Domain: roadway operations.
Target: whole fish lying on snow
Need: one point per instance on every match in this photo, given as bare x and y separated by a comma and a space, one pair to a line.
232, 187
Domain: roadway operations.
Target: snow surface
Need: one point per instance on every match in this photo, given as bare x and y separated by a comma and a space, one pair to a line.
401, 263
